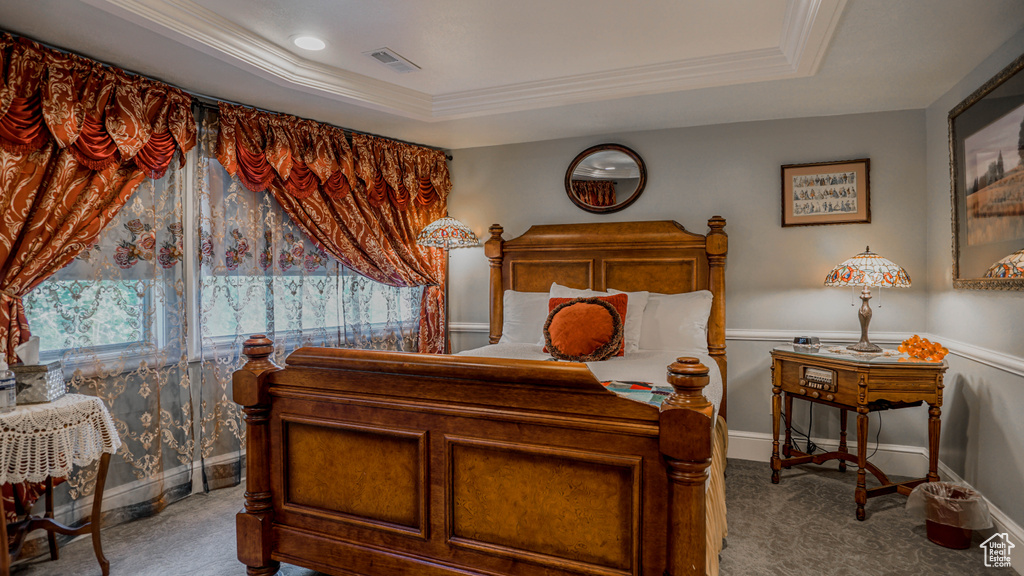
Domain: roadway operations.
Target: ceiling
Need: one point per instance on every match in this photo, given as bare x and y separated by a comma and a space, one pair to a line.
495, 72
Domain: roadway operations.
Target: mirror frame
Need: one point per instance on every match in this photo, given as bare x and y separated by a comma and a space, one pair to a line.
958, 184
602, 148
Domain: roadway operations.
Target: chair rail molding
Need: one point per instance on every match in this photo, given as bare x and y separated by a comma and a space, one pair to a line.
998, 360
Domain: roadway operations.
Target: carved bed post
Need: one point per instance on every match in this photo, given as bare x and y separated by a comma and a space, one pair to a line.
253, 524
685, 442
493, 251
717, 246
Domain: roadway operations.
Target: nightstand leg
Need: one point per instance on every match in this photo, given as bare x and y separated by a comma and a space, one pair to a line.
788, 446
842, 437
776, 410
861, 495
934, 424
5, 556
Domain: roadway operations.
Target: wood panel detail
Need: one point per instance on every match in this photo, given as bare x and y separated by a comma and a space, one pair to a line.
323, 456
663, 275
536, 276
565, 508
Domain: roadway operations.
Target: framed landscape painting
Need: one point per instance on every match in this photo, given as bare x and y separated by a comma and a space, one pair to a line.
826, 193
986, 135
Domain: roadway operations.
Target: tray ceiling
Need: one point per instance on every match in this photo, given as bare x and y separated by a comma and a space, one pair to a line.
499, 72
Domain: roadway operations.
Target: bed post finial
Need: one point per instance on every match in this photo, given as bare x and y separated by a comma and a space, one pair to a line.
493, 248
253, 524
717, 246
685, 442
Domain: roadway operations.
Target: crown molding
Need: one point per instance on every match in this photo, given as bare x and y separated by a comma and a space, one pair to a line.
808, 26
187, 22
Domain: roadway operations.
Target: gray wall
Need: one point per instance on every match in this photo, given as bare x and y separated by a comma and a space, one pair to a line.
983, 431
774, 274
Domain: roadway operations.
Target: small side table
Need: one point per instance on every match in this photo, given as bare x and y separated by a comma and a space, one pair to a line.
44, 441
862, 383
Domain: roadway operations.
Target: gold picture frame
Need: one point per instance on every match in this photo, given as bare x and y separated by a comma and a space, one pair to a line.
986, 148
826, 193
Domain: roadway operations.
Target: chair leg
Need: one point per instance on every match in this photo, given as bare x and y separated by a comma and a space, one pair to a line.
97, 509
5, 556
51, 536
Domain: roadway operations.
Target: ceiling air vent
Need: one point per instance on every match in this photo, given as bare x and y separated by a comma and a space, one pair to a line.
391, 59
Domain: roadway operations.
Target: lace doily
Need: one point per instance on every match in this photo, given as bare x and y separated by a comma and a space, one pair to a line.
41, 440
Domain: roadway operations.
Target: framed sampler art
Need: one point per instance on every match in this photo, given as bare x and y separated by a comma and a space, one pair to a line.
986, 144
826, 193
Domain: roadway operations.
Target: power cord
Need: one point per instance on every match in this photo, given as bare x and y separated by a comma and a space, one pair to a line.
877, 434
811, 446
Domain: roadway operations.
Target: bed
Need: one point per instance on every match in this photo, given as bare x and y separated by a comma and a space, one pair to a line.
381, 463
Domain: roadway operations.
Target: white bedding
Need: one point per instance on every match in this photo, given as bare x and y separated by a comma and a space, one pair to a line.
640, 366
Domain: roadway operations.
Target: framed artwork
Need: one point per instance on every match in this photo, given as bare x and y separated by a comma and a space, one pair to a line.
986, 145
826, 193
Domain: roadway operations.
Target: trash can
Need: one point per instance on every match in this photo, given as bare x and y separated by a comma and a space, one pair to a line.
951, 512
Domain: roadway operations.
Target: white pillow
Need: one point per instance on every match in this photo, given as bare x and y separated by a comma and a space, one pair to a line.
635, 305
676, 321
523, 316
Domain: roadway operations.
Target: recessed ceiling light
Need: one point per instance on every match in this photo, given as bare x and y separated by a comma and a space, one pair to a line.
609, 168
309, 43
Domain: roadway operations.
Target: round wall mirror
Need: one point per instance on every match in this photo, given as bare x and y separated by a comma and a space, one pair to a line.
605, 178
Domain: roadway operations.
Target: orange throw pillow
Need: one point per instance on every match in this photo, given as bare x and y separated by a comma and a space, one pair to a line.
586, 329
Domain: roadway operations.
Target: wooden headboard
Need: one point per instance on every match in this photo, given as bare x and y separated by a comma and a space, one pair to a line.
629, 256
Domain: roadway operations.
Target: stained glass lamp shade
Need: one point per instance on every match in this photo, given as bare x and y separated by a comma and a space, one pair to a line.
869, 270
447, 233
1010, 267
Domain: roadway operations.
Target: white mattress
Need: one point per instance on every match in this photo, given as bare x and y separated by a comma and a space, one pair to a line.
640, 366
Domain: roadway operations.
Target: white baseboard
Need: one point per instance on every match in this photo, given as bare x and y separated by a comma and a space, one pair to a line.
892, 458
1002, 522
134, 492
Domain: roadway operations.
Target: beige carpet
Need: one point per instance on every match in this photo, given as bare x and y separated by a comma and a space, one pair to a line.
803, 526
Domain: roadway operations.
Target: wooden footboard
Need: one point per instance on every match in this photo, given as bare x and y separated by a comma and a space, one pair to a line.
381, 464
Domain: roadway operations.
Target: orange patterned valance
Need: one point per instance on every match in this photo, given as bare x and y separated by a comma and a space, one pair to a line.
261, 147
101, 115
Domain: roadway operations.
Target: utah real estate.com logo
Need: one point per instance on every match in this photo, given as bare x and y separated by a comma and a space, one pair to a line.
997, 550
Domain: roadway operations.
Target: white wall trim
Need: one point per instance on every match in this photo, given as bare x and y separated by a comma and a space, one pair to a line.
128, 494
825, 336
999, 360
894, 459
472, 327
1002, 522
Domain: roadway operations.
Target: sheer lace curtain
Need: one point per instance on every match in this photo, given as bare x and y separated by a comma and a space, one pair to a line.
151, 318
258, 273
116, 319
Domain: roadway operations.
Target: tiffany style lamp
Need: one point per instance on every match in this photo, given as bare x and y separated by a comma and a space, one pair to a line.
1010, 267
447, 233
869, 270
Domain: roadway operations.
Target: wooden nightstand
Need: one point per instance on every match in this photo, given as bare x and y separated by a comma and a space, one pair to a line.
863, 383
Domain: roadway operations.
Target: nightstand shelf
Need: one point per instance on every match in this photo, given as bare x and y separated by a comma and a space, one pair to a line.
860, 383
